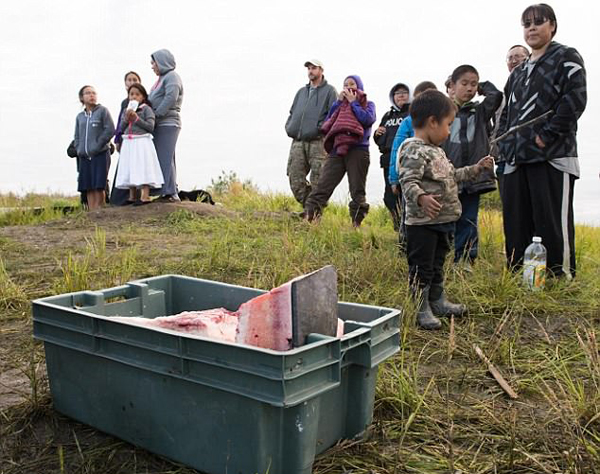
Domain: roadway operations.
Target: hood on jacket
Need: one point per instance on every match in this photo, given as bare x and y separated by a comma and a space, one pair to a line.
358, 81
322, 84
394, 89
165, 60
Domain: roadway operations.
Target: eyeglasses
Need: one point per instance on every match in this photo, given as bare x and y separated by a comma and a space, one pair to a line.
516, 57
401, 93
535, 21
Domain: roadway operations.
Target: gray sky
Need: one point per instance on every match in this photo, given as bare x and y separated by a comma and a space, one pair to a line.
241, 64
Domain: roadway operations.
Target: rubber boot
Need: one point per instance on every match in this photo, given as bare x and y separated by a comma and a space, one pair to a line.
440, 306
425, 317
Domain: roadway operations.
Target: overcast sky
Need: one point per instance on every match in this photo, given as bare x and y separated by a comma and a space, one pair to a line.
241, 63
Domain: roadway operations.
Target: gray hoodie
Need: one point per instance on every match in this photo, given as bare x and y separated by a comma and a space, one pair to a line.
309, 110
144, 123
93, 131
167, 94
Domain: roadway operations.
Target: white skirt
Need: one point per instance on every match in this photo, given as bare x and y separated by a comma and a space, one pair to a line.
138, 163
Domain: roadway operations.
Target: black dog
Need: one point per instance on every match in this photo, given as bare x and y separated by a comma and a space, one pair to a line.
197, 195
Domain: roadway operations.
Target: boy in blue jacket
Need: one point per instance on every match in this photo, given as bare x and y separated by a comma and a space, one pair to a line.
384, 137
404, 131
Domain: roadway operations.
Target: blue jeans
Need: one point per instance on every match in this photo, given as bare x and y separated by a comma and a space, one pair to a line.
465, 236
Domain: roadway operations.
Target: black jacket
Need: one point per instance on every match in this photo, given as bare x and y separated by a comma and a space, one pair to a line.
469, 137
391, 121
556, 81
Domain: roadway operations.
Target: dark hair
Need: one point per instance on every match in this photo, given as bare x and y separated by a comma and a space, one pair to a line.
461, 70
142, 91
401, 86
448, 82
134, 73
541, 10
424, 86
81, 92
431, 103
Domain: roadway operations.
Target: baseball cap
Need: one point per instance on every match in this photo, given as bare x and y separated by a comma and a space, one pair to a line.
314, 62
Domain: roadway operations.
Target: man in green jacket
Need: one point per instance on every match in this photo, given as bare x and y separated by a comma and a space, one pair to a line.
308, 111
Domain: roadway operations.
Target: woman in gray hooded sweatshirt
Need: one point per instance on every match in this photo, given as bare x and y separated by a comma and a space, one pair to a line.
166, 97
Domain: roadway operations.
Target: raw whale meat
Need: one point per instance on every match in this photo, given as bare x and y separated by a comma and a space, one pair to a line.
264, 321
216, 323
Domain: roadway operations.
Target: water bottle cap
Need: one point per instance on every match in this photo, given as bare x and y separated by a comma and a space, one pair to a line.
537, 239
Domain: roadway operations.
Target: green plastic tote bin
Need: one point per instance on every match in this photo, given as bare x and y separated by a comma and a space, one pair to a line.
214, 406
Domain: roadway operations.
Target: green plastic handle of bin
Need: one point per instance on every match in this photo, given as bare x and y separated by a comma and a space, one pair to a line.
130, 290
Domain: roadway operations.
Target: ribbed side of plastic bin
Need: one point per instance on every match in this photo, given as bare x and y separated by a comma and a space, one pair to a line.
214, 406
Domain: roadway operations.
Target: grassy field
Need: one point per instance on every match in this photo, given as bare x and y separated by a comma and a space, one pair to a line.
437, 408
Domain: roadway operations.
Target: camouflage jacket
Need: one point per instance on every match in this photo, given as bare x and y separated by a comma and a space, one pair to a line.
425, 169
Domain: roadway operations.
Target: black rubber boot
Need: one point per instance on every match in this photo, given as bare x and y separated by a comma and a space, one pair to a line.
440, 306
425, 317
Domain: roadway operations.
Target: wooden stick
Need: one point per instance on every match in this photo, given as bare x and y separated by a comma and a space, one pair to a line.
501, 380
451, 339
516, 128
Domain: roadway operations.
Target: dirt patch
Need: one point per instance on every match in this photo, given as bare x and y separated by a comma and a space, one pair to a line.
14, 388
72, 232
126, 214
55, 232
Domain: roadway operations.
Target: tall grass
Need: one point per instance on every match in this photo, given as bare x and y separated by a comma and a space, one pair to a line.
12, 296
12, 200
33, 208
95, 267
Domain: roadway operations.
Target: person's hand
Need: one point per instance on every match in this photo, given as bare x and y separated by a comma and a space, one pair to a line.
539, 142
486, 163
380, 131
395, 189
131, 116
351, 95
430, 205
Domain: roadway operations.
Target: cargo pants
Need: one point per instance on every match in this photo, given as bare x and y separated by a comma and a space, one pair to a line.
356, 165
305, 157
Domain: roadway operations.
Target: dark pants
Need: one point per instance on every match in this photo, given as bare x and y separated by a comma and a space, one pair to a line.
426, 251
538, 200
391, 201
465, 237
118, 197
356, 165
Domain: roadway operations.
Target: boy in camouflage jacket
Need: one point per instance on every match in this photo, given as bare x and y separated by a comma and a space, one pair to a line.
429, 185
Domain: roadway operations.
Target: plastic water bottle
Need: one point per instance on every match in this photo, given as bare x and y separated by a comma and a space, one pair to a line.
534, 265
